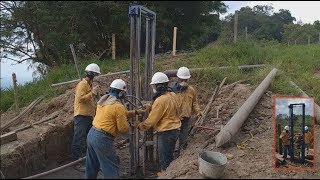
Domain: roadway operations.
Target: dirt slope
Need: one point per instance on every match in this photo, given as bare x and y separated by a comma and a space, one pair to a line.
255, 160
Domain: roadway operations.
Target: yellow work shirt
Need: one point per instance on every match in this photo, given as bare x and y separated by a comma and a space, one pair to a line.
284, 136
164, 114
111, 116
307, 137
83, 101
188, 102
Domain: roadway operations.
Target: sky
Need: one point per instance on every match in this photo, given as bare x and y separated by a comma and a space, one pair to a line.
306, 11
283, 103
22, 74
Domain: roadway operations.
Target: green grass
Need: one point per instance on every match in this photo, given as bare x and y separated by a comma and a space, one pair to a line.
299, 63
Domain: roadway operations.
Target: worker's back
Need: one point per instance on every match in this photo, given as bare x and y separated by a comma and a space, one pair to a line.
170, 118
83, 101
164, 114
188, 102
111, 116
285, 135
308, 137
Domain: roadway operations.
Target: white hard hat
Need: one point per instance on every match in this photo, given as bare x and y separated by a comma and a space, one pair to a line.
118, 84
183, 73
306, 128
159, 77
286, 128
93, 68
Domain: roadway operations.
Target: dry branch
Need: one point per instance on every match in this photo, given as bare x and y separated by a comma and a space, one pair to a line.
207, 108
22, 114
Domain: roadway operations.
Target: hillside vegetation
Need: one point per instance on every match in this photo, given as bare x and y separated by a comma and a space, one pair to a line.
300, 63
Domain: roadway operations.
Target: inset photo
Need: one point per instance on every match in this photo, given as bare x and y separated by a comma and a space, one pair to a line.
294, 119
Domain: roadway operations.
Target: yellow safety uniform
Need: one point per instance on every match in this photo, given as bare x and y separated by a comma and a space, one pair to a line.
111, 116
307, 137
83, 101
164, 114
188, 101
284, 136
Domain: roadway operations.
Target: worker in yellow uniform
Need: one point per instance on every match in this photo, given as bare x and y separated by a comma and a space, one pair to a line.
308, 139
109, 121
189, 104
164, 118
84, 109
285, 137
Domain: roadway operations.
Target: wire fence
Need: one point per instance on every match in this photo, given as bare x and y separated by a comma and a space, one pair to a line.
305, 38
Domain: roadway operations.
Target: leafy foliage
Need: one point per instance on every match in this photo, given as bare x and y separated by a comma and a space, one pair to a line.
300, 33
50, 26
261, 22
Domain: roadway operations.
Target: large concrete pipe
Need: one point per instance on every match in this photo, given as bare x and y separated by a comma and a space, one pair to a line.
234, 124
306, 95
173, 72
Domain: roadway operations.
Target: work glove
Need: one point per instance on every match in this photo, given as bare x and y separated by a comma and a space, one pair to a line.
131, 113
200, 114
95, 89
140, 111
147, 106
136, 123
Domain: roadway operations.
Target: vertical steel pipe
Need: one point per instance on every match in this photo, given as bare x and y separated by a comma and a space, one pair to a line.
302, 130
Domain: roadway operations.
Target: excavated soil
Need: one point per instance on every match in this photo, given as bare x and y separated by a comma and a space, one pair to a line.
43, 144
44, 147
253, 157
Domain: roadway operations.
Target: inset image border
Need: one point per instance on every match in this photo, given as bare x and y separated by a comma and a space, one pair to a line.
296, 101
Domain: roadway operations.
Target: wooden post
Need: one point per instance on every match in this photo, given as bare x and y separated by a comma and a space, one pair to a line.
308, 40
14, 79
75, 59
218, 112
174, 41
319, 37
6, 138
246, 32
280, 141
295, 42
113, 46
235, 28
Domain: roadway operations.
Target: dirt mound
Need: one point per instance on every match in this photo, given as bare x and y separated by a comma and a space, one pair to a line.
50, 141
228, 101
250, 153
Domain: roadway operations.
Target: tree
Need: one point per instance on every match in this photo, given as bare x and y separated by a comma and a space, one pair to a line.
281, 18
299, 33
50, 26
263, 10
16, 40
316, 24
261, 22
